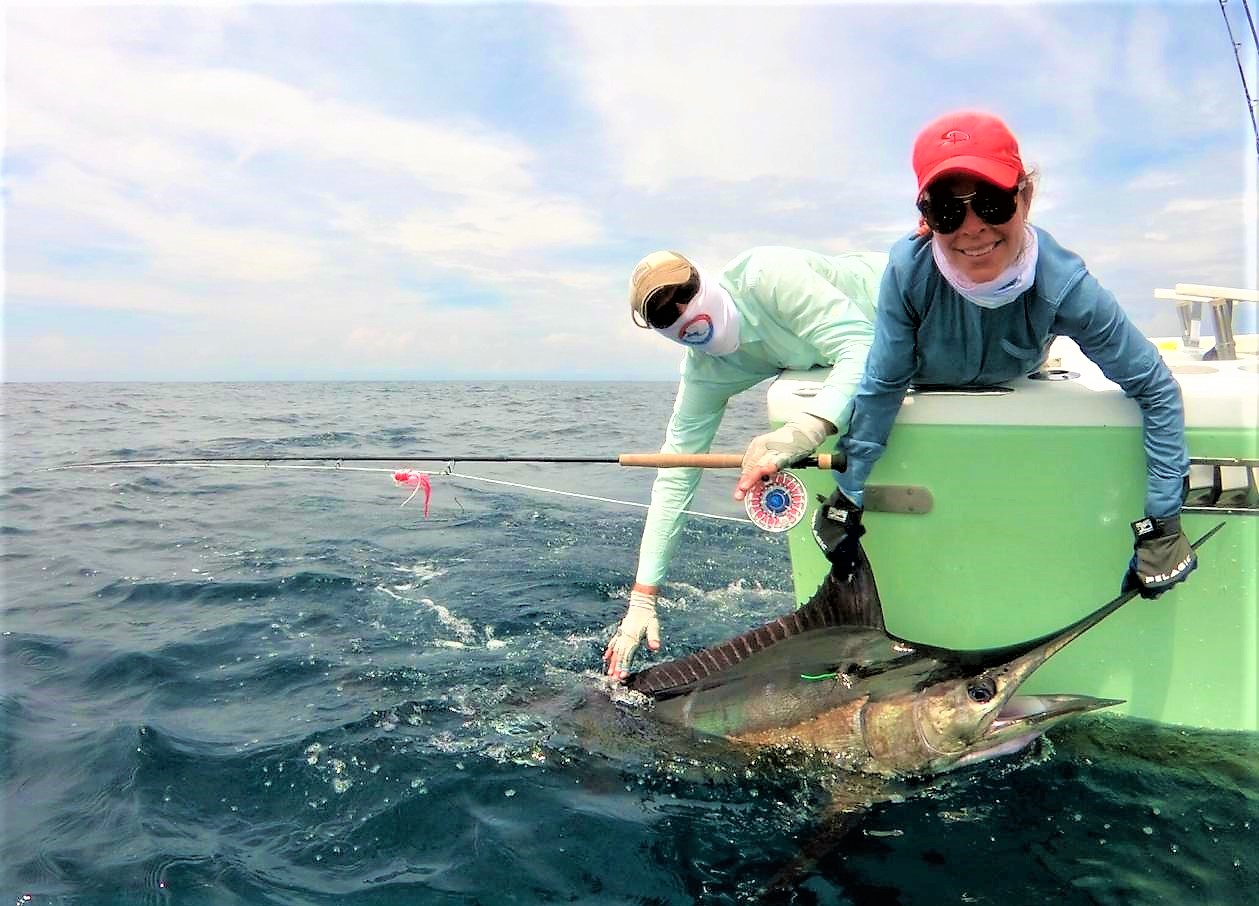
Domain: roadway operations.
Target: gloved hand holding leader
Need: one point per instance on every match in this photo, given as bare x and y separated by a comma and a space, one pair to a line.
640, 620
837, 528
1161, 556
768, 453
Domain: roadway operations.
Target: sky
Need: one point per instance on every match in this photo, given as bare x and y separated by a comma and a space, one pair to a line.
404, 191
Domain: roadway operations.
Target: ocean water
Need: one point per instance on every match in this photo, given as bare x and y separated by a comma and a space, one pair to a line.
282, 687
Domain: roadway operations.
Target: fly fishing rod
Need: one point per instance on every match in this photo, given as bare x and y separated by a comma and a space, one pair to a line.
777, 503
648, 460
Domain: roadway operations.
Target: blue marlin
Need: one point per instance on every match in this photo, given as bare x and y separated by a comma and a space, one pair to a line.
829, 677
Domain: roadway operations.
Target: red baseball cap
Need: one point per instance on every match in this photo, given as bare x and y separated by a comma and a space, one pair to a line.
967, 142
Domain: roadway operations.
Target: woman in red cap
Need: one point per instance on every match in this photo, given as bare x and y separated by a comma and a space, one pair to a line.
975, 297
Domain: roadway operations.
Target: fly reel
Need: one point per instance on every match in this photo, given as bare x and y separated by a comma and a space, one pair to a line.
777, 503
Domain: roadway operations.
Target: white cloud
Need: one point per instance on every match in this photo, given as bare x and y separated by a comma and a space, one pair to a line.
92, 292
1195, 205
488, 226
74, 93
376, 341
203, 172
725, 95
1153, 180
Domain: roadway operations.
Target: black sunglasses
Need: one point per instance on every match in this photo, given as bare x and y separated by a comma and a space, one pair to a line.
663, 307
944, 211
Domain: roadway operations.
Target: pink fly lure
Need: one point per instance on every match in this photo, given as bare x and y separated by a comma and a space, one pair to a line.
418, 481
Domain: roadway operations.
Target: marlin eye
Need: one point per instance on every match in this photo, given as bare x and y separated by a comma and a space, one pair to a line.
982, 690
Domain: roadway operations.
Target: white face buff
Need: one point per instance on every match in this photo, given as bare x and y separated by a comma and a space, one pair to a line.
1005, 288
709, 323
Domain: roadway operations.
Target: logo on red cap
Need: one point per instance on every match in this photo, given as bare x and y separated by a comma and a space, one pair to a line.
956, 135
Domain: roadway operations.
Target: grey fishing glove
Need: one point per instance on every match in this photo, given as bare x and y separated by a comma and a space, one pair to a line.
836, 529
640, 619
1162, 556
799, 437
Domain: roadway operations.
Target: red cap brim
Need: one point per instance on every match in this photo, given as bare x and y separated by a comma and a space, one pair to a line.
1002, 175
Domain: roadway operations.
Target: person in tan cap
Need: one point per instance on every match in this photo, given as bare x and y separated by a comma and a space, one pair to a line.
769, 309
974, 297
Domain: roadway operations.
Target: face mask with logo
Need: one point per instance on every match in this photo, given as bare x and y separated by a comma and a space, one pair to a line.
709, 323
1004, 289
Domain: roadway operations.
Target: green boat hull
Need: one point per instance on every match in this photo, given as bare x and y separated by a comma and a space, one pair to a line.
1028, 531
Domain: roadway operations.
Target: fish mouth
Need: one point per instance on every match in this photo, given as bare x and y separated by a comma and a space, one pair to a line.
1024, 718
1023, 712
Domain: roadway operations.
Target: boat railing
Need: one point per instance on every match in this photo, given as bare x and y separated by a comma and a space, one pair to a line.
1223, 485
1222, 301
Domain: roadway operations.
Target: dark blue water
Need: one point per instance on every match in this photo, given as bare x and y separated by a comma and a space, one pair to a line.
263, 687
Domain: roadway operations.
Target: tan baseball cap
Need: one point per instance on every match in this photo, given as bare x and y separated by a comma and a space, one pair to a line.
656, 271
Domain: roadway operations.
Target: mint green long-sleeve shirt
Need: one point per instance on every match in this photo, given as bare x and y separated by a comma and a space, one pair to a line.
797, 309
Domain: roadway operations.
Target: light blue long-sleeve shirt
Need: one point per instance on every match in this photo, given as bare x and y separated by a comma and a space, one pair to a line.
797, 309
926, 333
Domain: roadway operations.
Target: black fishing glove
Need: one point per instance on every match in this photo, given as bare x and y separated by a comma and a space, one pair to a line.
1161, 556
836, 528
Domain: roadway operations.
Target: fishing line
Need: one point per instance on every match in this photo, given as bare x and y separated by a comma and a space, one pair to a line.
1241, 70
336, 467
776, 504
643, 506
337, 458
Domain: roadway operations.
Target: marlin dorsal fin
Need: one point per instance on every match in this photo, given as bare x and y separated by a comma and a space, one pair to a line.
841, 600
851, 600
